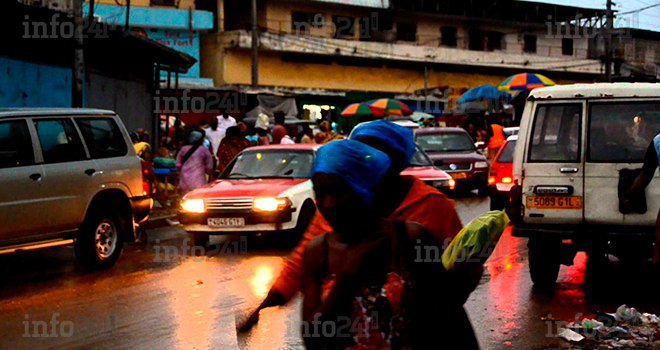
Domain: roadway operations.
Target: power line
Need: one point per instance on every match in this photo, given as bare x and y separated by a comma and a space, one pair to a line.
639, 10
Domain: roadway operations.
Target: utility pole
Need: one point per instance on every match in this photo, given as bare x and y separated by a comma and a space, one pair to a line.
255, 46
426, 87
78, 60
608, 41
128, 14
90, 14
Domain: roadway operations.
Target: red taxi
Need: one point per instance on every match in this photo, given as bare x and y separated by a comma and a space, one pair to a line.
500, 177
264, 189
268, 189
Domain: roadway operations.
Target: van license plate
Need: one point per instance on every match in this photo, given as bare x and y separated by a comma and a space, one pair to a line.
552, 202
226, 222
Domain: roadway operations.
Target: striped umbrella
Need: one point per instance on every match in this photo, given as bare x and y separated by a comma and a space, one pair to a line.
390, 106
525, 81
361, 109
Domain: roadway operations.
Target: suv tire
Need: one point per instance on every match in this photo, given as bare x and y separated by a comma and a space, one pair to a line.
100, 239
543, 262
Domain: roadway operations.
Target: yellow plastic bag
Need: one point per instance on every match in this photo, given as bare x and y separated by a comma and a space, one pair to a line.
476, 241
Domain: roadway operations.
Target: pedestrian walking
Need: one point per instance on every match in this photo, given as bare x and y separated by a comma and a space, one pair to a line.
194, 163
279, 130
307, 135
494, 137
230, 147
225, 121
214, 134
262, 126
288, 139
398, 198
364, 270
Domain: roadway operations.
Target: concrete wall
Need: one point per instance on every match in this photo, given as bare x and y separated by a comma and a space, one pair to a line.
132, 100
26, 84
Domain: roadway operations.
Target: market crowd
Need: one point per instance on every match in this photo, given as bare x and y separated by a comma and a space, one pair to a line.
189, 157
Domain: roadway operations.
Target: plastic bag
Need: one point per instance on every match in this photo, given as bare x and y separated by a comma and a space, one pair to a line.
476, 241
629, 315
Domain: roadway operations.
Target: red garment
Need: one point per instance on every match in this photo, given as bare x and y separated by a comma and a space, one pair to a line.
423, 204
279, 131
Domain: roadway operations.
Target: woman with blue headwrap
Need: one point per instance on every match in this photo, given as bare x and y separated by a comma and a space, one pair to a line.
398, 198
362, 272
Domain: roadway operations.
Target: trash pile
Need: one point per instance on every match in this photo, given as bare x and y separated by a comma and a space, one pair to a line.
625, 329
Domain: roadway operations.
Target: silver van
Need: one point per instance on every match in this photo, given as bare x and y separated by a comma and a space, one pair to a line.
69, 176
576, 145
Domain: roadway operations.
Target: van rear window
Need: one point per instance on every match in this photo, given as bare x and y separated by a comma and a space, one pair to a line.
620, 132
556, 133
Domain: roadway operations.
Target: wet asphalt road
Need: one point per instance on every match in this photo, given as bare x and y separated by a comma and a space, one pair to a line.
158, 297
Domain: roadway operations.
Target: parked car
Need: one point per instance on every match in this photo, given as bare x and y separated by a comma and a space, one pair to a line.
422, 168
511, 131
69, 176
453, 151
264, 189
500, 177
574, 143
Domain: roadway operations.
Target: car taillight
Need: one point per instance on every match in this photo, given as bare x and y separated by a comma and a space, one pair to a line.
491, 180
146, 185
506, 180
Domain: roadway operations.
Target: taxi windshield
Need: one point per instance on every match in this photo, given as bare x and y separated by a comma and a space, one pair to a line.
270, 164
442, 142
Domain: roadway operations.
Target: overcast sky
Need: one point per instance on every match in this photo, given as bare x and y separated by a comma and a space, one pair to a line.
648, 19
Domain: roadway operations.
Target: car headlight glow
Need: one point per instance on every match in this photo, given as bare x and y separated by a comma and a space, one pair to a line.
452, 184
193, 205
269, 204
481, 164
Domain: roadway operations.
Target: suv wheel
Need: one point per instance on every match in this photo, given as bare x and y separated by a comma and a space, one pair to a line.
100, 239
543, 262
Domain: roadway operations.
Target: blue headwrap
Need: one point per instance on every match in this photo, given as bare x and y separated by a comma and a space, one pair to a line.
362, 166
396, 136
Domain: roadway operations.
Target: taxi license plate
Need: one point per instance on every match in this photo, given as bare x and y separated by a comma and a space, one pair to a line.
226, 222
459, 176
551, 202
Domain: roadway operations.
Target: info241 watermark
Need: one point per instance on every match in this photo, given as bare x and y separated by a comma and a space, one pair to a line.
172, 253
60, 27
80, 326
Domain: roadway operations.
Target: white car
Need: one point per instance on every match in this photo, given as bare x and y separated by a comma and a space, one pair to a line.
264, 189
578, 151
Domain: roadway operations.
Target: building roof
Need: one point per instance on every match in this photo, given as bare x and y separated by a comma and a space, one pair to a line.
597, 90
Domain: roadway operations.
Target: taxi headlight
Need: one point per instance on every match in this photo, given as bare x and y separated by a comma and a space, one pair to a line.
269, 204
192, 205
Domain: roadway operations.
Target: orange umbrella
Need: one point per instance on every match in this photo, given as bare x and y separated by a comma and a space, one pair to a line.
391, 106
361, 109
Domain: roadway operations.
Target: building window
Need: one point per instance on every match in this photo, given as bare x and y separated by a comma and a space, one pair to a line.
476, 40
529, 43
344, 27
448, 37
163, 3
406, 32
567, 47
300, 22
494, 41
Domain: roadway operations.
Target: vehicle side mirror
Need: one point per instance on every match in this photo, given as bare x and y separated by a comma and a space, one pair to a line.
480, 145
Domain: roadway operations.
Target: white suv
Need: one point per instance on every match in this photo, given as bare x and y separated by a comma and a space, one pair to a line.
69, 176
579, 149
